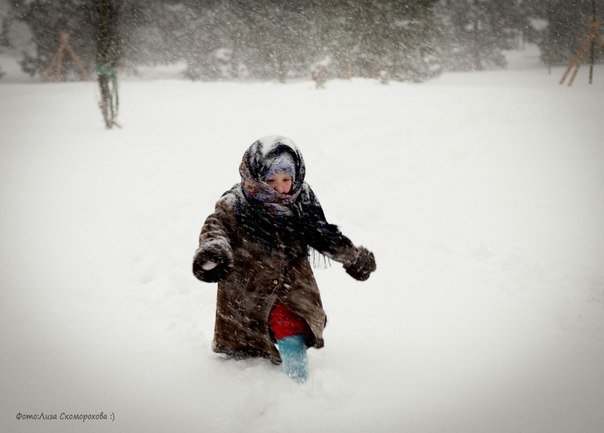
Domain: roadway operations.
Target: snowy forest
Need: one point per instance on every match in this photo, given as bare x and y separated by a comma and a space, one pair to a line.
280, 39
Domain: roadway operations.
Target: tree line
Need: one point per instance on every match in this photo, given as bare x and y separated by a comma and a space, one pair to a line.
285, 39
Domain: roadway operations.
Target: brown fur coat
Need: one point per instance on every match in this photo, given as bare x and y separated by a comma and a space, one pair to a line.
257, 258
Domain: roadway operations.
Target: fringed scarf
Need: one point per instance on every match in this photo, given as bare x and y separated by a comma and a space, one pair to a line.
274, 202
299, 223
255, 163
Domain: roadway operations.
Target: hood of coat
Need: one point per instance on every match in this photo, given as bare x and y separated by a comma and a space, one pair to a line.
258, 158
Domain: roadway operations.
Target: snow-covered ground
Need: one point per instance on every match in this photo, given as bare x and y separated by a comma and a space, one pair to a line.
482, 195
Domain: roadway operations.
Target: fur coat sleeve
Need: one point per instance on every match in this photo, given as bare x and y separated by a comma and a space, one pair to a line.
213, 259
326, 238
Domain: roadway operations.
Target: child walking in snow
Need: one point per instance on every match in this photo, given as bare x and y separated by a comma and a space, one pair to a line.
256, 246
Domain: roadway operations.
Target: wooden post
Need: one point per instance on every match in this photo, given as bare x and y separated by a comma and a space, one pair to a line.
593, 43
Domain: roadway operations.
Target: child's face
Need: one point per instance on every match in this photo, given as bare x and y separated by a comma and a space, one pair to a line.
280, 182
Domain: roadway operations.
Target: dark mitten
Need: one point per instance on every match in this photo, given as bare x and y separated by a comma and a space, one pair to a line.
362, 266
213, 261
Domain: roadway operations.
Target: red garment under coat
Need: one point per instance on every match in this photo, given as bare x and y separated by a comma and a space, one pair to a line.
284, 323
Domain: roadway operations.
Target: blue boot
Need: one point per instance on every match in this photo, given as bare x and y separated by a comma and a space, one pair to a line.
293, 354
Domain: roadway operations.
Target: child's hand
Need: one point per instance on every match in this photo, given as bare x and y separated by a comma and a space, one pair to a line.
212, 262
363, 265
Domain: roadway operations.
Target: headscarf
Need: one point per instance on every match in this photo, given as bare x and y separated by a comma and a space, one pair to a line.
258, 161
